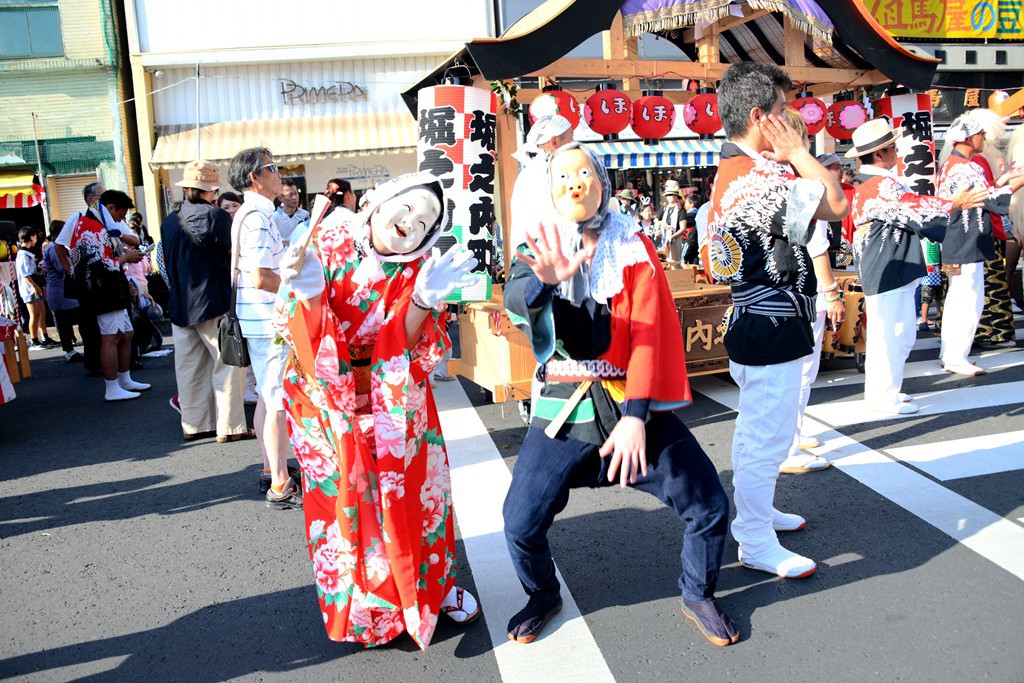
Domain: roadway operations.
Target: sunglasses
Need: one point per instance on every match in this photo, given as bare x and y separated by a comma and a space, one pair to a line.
270, 167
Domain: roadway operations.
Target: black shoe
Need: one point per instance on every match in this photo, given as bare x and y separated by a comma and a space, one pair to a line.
714, 624
50, 343
135, 366
528, 622
290, 497
265, 480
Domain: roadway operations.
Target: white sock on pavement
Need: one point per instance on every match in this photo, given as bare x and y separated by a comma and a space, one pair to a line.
115, 392
124, 379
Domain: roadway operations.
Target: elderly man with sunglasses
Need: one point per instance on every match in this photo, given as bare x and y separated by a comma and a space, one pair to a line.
257, 250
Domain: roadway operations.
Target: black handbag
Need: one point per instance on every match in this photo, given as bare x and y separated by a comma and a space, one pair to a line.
233, 349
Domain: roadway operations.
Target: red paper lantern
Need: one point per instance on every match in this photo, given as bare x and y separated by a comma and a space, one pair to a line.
812, 110
701, 114
843, 117
608, 112
653, 117
556, 102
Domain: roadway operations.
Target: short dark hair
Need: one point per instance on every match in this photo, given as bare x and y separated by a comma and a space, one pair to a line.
26, 233
193, 195
246, 162
230, 196
119, 199
343, 185
289, 182
56, 226
868, 158
89, 190
745, 86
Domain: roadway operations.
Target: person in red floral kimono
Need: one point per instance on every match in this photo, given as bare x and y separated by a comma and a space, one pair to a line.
361, 305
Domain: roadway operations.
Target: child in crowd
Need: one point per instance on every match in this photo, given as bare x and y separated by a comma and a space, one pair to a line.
31, 290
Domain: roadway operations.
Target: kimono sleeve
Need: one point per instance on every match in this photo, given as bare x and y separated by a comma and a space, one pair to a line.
528, 303
657, 363
928, 216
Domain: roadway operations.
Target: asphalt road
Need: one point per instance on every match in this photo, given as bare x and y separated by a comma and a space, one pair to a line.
131, 555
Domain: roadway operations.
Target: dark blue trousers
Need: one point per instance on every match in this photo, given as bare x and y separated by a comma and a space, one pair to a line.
679, 474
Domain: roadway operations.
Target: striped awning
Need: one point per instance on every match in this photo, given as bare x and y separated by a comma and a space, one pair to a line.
18, 190
290, 140
665, 154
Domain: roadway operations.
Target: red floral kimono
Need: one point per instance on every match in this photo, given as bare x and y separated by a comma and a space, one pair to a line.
364, 428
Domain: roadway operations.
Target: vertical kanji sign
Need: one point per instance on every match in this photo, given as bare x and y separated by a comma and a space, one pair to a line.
457, 127
916, 149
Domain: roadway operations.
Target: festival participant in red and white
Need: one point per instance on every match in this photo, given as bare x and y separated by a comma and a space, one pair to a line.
890, 221
969, 241
760, 223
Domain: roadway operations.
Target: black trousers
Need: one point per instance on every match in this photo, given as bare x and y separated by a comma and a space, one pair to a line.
679, 474
90, 331
65, 321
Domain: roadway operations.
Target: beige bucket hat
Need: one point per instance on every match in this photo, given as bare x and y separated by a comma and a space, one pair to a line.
201, 175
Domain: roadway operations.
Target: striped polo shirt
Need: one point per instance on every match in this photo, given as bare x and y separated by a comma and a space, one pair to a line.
259, 245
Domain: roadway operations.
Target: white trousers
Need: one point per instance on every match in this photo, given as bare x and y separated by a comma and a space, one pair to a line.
209, 392
961, 313
892, 330
809, 372
765, 429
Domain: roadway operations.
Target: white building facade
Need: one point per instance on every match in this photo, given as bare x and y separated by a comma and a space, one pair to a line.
321, 90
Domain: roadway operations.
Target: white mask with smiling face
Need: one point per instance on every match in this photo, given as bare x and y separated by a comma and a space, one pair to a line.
400, 224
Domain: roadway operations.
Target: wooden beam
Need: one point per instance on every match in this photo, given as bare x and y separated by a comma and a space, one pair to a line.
708, 48
612, 39
1010, 105
728, 22
617, 69
794, 43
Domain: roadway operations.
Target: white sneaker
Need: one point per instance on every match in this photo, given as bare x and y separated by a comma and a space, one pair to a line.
905, 398
803, 462
131, 385
119, 393
251, 397
784, 521
780, 562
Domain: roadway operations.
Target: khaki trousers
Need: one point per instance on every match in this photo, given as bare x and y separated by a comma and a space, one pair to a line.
210, 393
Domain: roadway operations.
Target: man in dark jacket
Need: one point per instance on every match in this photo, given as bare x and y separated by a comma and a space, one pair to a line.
197, 263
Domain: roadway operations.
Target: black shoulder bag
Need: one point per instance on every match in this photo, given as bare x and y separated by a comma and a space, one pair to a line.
233, 349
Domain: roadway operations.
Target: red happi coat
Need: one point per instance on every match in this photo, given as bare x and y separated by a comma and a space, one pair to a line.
365, 430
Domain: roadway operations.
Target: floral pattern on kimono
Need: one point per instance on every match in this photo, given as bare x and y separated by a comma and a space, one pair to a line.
364, 428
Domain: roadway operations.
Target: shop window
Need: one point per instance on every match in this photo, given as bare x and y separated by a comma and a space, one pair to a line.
30, 30
970, 57
941, 56
1001, 58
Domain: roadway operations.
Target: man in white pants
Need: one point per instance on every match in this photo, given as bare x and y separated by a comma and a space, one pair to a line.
969, 242
761, 218
889, 221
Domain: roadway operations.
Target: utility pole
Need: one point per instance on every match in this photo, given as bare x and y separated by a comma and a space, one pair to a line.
42, 178
199, 153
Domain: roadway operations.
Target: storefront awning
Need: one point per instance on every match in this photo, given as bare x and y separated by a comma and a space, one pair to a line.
18, 190
665, 154
290, 140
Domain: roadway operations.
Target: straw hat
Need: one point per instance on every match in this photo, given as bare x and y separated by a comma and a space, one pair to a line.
873, 135
671, 188
201, 175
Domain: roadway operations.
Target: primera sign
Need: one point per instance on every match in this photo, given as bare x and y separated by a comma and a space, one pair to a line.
340, 91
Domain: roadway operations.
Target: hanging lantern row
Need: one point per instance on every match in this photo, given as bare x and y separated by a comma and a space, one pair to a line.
608, 112
811, 109
839, 119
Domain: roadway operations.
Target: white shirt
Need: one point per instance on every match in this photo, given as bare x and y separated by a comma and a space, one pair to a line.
528, 195
286, 224
259, 245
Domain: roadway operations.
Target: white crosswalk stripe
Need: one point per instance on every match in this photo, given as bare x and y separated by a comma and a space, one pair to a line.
970, 457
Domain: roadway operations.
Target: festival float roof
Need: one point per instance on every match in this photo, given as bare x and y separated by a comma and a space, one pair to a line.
831, 43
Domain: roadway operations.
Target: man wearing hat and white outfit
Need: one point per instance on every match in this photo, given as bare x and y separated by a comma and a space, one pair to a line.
548, 134
670, 222
969, 242
889, 221
197, 262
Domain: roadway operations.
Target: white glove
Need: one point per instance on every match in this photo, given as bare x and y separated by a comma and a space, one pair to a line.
306, 280
442, 275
